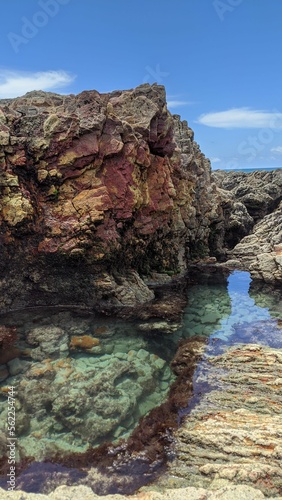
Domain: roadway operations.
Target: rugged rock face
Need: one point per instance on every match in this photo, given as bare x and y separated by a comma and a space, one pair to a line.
243, 200
261, 251
248, 230
93, 186
98, 189
260, 192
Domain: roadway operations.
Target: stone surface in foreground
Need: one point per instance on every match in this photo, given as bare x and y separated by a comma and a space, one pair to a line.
234, 433
231, 492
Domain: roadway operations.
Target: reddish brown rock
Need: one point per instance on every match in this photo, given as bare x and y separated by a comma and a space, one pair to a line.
97, 183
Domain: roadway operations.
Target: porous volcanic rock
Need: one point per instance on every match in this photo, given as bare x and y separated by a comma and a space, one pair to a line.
244, 200
233, 492
94, 190
261, 251
232, 433
260, 191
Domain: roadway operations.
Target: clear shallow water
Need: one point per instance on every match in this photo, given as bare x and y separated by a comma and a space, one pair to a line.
248, 315
230, 315
82, 380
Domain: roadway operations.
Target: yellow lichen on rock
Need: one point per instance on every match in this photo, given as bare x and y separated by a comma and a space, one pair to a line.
16, 209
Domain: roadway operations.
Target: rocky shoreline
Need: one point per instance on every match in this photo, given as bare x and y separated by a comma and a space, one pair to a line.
105, 189
107, 204
253, 222
232, 492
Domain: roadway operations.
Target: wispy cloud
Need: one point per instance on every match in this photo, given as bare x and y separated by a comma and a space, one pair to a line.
178, 104
278, 149
215, 160
242, 118
17, 83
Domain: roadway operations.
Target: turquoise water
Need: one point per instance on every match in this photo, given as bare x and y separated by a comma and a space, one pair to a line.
79, 380
82, 380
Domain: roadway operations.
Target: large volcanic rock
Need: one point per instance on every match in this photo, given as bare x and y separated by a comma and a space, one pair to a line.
261, 251
248, 230
94, 186
243, 200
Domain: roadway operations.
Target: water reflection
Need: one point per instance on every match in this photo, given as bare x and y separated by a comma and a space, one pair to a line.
244, 310
245, 319
227, 315
82, 380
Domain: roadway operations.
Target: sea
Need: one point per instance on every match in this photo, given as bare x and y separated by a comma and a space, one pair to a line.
249, 170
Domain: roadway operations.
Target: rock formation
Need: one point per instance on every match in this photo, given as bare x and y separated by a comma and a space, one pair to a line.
233, 492
261, 251
96, 189
102, 198
232, 435
248, 231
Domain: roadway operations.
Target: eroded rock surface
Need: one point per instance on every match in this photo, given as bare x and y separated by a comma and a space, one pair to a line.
96, 188
248, 231
233, 432
261, 251
232, 492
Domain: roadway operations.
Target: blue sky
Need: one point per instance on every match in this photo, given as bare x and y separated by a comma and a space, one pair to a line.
218, 59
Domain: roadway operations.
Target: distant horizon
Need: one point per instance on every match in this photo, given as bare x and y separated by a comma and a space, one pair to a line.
248, 168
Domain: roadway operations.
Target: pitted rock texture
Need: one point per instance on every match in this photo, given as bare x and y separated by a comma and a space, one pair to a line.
260, 191
231, 492
261, 251
248, 230
93, 186
233, 432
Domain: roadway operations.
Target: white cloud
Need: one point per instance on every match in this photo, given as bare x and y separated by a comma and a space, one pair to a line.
215, 160
278, 149
17, 83
242, 118
177, 104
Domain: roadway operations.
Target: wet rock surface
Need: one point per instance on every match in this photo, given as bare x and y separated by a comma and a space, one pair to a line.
218, 429
66, 399
54, 425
